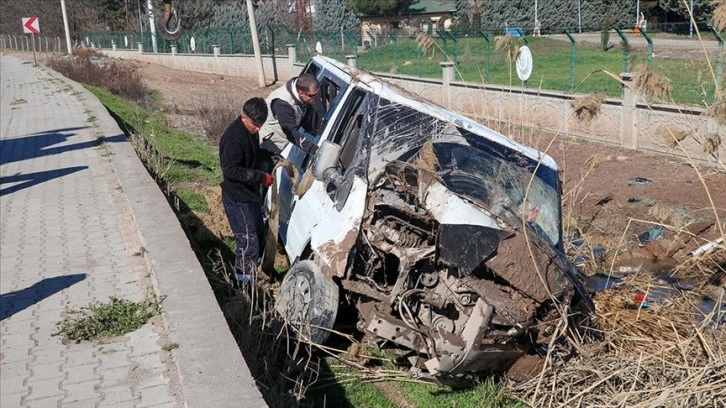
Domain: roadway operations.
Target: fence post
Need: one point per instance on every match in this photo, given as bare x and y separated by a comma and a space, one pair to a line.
113, 45
573, 46
448, 76
395, 40
173, 50
719, 62
291, 58
215, 50
456, 46
140, 45
650, 46
352, 61
626, 58
628, 131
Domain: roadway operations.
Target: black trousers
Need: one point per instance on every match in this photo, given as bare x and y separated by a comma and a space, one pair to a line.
245, 219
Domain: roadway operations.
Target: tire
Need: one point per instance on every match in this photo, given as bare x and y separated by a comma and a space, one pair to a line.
308, 301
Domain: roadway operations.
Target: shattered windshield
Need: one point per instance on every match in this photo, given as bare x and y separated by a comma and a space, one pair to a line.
494, 176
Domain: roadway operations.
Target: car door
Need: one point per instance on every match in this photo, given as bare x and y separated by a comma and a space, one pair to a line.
315, 122
328, 216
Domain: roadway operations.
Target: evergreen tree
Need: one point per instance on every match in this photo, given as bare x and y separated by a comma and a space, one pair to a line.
334, 15
381, 7
702, 10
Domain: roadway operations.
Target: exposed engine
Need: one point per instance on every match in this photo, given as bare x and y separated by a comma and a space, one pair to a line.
445, 319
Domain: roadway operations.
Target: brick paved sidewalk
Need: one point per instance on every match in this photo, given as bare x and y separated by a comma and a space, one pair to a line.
72, 233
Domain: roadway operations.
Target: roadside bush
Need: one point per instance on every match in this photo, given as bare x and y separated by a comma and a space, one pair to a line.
216, 113
112, 75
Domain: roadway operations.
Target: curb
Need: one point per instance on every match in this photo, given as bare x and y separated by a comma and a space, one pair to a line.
211, 367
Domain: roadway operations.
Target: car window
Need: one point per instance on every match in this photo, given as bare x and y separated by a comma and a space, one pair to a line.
347, 131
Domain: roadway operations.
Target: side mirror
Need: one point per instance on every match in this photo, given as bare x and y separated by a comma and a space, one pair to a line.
325, 167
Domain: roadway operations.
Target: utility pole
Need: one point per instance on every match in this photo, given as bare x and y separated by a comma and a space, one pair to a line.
256, 46
152, 26
65, 27
690, 19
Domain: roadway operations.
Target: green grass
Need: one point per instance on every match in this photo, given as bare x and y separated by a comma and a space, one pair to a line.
340, 386
169, 346
189, 157
103, 320
691, 80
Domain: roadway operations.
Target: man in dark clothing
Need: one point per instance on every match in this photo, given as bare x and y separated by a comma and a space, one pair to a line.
239, 155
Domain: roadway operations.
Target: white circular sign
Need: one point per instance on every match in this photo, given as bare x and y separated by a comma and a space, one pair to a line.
192, 44
126, 41
524, 63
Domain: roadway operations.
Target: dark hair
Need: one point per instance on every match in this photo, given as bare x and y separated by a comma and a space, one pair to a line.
255, 109
306, 81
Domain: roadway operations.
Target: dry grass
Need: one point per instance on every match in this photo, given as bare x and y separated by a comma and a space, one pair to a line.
717, 110
719, 14
425, 42
662, 355
117, 77
587, 107
651, 84
711, 143
215, 219
509, 45
84, 52
672, 137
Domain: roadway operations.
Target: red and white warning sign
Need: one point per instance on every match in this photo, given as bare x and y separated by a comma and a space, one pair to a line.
31, 25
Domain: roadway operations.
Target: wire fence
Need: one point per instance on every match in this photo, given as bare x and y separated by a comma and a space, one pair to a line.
563, 60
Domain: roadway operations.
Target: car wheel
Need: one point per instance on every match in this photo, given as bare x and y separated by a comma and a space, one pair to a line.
308, 301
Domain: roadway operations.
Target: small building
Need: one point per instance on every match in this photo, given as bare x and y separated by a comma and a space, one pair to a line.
425, 15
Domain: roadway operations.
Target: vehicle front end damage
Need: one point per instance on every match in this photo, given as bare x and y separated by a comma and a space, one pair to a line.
449, 284
458, 265
445, 235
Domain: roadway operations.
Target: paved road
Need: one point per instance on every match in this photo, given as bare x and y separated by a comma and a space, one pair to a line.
76, 209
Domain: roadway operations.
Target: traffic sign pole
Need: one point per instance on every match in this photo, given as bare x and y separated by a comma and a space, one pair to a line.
35, 61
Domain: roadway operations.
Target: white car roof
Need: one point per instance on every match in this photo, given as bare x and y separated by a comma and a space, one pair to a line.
406, 98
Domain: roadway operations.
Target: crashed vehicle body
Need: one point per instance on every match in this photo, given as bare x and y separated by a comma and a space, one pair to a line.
445, 235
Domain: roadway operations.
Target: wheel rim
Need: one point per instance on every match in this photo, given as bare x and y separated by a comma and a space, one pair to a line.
301, 298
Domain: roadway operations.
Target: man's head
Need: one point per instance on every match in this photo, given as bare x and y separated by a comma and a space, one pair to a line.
254, 114
308, 88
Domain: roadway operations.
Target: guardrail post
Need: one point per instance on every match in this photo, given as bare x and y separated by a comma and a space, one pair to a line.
448, 76
215, 50
352, 61
140, 46
291, 58
173, 50
628, 130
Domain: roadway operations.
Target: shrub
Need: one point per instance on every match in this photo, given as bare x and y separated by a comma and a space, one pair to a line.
112, 75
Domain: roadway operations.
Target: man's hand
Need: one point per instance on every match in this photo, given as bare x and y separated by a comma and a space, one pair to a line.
267, 180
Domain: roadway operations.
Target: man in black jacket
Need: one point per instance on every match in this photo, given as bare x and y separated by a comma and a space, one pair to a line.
239, 156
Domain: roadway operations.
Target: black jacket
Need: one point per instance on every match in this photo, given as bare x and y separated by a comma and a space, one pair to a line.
239, 156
